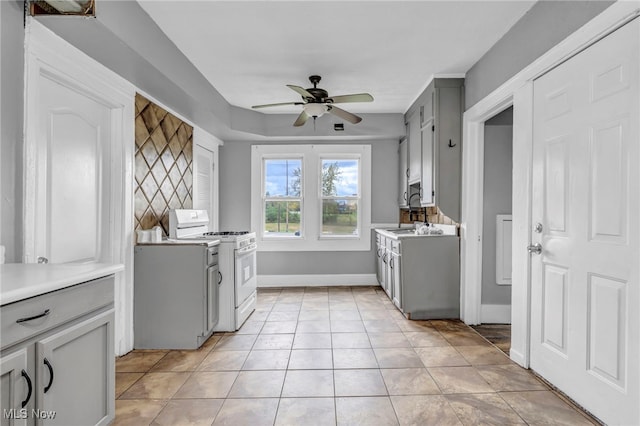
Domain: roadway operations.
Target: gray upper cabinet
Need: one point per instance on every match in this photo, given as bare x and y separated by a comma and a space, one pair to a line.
427, 178
413, 130
438, 113
403, 171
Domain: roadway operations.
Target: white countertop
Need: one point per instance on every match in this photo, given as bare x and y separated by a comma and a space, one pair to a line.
20, 281
183, 242
447, 231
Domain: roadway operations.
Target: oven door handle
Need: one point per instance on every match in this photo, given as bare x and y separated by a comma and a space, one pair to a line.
247, 250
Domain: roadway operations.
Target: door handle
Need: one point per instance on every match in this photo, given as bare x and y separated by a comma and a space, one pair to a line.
29, 386
535, 248
48, 364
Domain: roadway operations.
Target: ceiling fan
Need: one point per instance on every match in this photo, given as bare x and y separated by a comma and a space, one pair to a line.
316, 102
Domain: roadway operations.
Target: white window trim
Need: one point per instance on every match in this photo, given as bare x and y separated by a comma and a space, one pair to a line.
311, 239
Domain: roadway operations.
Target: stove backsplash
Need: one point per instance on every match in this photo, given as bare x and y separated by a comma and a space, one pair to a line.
163, 165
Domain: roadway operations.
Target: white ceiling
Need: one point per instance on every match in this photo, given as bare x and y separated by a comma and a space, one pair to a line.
249, 50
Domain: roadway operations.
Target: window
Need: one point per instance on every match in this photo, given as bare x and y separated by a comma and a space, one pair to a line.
282, 197
340, 183
311, 197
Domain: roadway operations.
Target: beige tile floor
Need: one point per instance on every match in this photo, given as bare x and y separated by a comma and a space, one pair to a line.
498, 334
324, 356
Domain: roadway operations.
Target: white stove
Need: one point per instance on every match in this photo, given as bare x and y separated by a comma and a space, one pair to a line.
237, 264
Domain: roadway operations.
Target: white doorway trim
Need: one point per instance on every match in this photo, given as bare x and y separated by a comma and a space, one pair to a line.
206, 141
517, 91
48, 54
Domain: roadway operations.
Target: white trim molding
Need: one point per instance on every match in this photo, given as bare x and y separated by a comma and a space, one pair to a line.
517, 91
49, 56
310, 198
205, 140
317, 280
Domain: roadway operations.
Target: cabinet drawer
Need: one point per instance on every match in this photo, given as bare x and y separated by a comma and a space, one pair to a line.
62, 306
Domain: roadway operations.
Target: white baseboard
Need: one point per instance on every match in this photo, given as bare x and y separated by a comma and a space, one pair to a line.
316, 280
495, 314
518, 358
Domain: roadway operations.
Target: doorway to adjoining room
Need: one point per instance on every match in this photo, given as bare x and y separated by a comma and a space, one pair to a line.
495, 308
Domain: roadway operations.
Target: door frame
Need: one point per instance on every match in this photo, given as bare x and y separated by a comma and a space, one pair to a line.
47, 54
205, 140
516, 92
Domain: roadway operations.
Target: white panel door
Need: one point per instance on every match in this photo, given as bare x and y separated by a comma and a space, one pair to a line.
585, 327
72, 197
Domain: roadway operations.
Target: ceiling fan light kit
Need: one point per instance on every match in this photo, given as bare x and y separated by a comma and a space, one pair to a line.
315, 110
317, 102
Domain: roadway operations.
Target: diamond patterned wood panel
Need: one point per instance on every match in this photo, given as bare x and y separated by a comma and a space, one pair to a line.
163, 165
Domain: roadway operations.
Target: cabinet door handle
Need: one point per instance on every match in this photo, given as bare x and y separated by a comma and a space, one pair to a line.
384, 258
44, 314
29, 388
378, 252
48, 364
405, 195
391, 262
407, 172
219, 277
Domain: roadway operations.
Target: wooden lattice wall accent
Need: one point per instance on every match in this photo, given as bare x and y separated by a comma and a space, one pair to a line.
163, 165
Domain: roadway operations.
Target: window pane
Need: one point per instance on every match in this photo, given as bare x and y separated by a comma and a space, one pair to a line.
340, 178
282, 218
339, 217
282, 177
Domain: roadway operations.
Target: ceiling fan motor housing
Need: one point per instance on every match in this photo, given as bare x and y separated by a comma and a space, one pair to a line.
319, 94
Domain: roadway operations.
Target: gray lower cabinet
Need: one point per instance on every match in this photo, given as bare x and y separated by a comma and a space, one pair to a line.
421, 275
175, 295
429, 271
15, 387
63, 371
394, 278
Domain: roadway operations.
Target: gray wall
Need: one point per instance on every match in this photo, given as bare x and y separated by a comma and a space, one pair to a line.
498, 167
542, 27
235, 209
11, 88
126, 40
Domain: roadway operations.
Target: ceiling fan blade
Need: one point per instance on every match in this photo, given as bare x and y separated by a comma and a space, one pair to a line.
302, 118
301, 91
345, 115
356, 97
278, 104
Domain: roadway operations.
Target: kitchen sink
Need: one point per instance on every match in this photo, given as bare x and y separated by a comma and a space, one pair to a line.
402, 231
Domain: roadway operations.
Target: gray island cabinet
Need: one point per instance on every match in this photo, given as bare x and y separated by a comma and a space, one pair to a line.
57, 362
420, 274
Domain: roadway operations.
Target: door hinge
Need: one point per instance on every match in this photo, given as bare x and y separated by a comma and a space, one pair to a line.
433, 193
